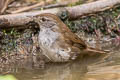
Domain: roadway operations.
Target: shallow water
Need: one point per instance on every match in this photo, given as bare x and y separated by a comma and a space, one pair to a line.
89, 68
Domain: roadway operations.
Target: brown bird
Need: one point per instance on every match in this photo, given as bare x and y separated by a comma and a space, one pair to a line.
57, 41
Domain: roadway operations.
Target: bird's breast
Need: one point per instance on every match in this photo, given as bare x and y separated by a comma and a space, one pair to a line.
47, 37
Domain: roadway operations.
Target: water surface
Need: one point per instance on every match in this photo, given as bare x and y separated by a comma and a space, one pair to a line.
89, 68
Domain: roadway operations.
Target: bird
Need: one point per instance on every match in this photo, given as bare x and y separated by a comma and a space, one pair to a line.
58, 43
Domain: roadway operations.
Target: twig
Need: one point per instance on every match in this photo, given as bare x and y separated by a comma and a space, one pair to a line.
54, 5
31, 7
42, 5
60, 4
5, 6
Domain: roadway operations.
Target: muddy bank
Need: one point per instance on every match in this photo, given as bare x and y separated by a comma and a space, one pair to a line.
20, 50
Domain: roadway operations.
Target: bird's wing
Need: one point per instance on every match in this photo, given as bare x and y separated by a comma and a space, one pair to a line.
71, 37
75, 39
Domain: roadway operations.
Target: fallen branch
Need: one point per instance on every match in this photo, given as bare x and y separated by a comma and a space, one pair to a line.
11, 20
77, 11
74, 12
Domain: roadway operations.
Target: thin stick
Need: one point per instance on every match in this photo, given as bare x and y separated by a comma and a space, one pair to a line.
5, 6
41, 5
54, 5
31, 7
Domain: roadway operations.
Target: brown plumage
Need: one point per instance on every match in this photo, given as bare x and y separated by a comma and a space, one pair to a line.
57, 41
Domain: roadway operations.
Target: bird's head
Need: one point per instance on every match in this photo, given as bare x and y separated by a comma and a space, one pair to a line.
46, 20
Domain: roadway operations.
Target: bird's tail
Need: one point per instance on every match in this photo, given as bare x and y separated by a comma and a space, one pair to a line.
93, 51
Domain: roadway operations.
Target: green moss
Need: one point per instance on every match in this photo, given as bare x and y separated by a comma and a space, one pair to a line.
9, 39
106, 21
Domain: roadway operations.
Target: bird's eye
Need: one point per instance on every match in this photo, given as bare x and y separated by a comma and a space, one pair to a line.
43, 19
